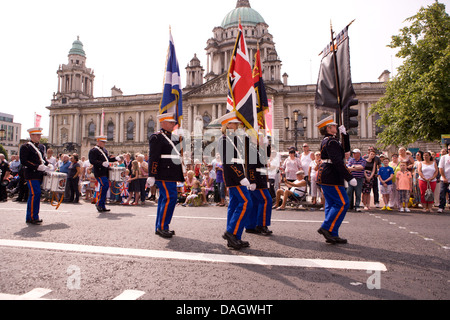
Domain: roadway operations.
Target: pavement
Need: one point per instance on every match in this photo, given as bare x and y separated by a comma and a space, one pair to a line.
79, 254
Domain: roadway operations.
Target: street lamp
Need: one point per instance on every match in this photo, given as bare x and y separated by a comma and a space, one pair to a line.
296, 129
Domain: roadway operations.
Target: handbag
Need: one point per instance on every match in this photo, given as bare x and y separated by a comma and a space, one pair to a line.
429, 194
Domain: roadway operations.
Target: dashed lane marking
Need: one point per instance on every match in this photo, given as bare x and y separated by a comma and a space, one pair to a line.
193, 256
38, 293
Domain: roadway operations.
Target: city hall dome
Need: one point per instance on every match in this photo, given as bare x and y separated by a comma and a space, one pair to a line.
249, 16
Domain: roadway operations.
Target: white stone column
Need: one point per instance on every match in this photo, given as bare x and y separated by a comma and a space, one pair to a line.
190, 119
71, 120
314, 122
76, 128
117, 128
219, 110
363, 126
142, 126
50, 133
137, 126
213, 112
121, 127
370, 123
310, 121
83, 127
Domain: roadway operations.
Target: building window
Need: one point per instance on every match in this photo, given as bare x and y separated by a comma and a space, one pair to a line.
150, 128
130, 130
91, 130
206, 119
110, 131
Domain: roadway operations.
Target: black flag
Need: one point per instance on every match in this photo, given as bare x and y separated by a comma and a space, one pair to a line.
329, 88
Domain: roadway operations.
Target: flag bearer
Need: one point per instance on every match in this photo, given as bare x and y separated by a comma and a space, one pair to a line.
259, 218
165, 169
331, 176
234, 176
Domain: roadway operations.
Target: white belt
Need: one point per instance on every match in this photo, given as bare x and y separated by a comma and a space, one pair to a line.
327, 161
170, 156
262, 170
238, 161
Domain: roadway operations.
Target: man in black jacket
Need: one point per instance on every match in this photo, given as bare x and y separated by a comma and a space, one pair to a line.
100, 159
331, 176
165, 169
32, 157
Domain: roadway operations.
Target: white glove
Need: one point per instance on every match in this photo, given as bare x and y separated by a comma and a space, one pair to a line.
118, 158
353, 182
50, 167
252, 187
42, 167
342, 129
105, 164
151, 181
245, 182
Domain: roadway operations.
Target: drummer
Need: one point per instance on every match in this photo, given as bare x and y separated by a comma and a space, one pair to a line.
99, 158
34, 162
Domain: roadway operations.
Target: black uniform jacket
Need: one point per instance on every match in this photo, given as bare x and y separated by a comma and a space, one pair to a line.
257, 160
96, 158
233, 161
30, 161
165, 162
336, 172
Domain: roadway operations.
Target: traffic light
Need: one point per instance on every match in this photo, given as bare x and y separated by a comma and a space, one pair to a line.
350, 116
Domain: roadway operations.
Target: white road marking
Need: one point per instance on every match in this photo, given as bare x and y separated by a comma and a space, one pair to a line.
130, 295
35, 294
193, 256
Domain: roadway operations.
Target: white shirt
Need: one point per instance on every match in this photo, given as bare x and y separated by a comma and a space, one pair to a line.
306, 161
444, 163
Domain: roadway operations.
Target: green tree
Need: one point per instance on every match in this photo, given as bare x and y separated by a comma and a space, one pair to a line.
416, 105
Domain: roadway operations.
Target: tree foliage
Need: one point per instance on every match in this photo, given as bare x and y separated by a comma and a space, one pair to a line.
416, 105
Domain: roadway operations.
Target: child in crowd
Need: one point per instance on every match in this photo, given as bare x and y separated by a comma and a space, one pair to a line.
404, 186
385, 175
195, 198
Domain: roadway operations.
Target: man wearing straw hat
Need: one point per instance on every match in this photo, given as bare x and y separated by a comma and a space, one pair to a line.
32, 157
331, 176
100, 160
165, 170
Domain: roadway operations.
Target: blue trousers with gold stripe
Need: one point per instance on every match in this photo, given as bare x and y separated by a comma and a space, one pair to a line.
166, 204
103, 183
238, 208
261, 213
336, 206
34, 199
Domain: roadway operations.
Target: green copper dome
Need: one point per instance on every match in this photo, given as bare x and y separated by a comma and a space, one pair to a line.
77, 48
248, 15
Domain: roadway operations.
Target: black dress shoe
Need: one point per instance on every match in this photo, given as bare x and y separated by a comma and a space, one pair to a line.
232, 241
35, 221
264, 230
164, 233
106, 210
338, 240
327, 235
252, 230
244, 244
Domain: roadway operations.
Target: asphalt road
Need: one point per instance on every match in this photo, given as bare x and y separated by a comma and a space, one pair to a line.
79, 254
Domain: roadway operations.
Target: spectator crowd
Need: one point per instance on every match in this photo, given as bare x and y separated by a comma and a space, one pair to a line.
403, 180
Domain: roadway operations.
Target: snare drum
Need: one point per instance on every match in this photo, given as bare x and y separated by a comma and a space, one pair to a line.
58, 182
46, 182
117, 174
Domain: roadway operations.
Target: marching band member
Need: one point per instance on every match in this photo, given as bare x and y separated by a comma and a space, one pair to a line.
331, 176
234, 176
32, 157
260, 216
99, 158
165, 169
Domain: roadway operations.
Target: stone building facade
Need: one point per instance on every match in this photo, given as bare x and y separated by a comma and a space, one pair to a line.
75, 114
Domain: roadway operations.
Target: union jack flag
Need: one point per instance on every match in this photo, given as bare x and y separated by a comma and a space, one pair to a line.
124, 189
241, 91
